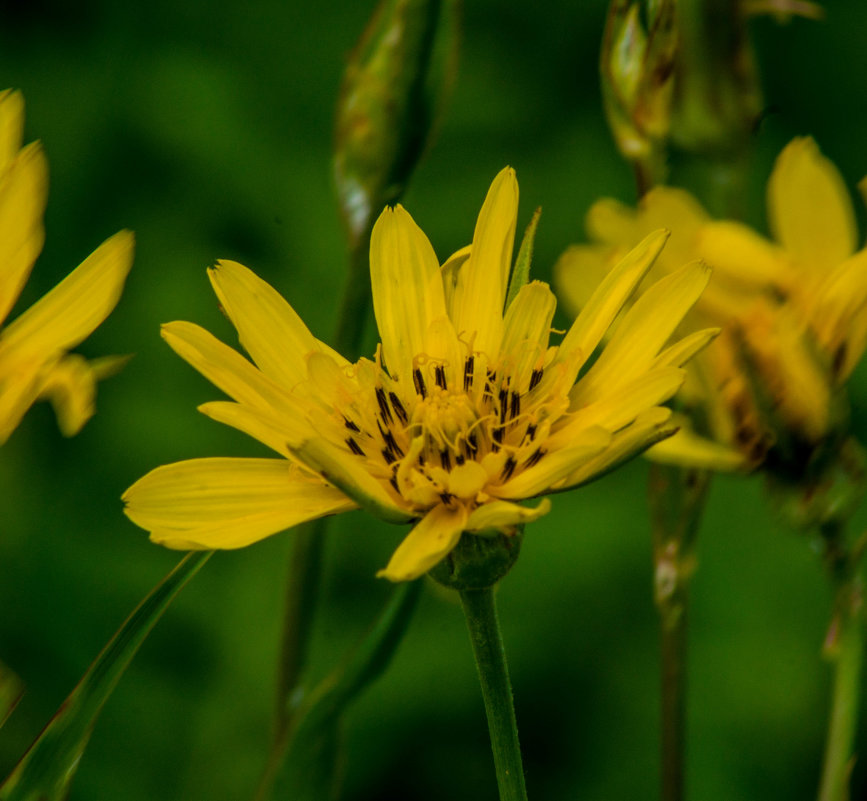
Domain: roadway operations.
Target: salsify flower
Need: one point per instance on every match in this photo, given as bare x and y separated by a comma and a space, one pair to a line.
793, 310
464, 411
34, 358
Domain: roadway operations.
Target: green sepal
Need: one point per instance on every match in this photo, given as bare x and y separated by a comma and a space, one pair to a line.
305, 765
521, 273
46, 771
479, 560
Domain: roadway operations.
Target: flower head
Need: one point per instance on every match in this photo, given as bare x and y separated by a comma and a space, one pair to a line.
793, 309
463, 412
34, 362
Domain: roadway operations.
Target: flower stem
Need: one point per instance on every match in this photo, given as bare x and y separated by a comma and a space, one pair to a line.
677, 499
845, 647
480, 611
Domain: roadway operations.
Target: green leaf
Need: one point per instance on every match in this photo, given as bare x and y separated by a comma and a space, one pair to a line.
304, 767
45, 772
11, 689
521, 273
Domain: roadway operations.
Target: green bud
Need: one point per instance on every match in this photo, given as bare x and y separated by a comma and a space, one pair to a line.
391, 98
717, 96
637, 67
479, 560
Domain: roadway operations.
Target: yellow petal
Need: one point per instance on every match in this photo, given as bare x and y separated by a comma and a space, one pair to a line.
482, 282
407, 288
450, 271
227, 503
682, 351
610, 296
504, 515
232, 373
18, 391
553, 466
23, 191
269, 328
433, 537
643, 331
70, 385
346, 471
615, 411
809, 207
687, 449
578, 271
76, 306
611, 222
527, 329
267, 430
736, 252
11, 126
467, 480
649, 428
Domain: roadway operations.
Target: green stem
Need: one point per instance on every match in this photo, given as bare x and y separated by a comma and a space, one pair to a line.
677, 498
673, 638
846, 649
308, 541
302, 590
481, 614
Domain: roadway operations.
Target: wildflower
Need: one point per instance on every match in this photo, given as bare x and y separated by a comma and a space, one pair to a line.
34, 362
793, 310
464, 411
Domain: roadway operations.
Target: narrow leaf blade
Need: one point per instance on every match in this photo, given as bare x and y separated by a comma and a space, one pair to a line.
46, 771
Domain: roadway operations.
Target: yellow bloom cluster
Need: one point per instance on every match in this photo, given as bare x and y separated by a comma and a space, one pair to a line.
793, 310
465, 410
34, 362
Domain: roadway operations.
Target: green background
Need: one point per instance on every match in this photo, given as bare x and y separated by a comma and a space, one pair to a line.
206, 128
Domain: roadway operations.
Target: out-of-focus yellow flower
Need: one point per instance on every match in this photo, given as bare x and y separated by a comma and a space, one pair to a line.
465, 410
793, 309
34, 358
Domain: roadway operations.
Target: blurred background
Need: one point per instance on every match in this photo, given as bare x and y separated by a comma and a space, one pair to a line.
206, 128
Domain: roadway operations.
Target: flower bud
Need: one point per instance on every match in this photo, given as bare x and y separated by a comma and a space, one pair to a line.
637, 68
390, 101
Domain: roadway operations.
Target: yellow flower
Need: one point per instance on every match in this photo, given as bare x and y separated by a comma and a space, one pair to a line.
793, 310
34, 362
464, 411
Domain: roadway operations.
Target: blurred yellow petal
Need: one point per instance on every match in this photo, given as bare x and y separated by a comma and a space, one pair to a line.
809, 207
11, 127
19, 388
737, 252
70, 385
76, 306
433, 537
579, 270
687, 449
23, 192
227, 503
